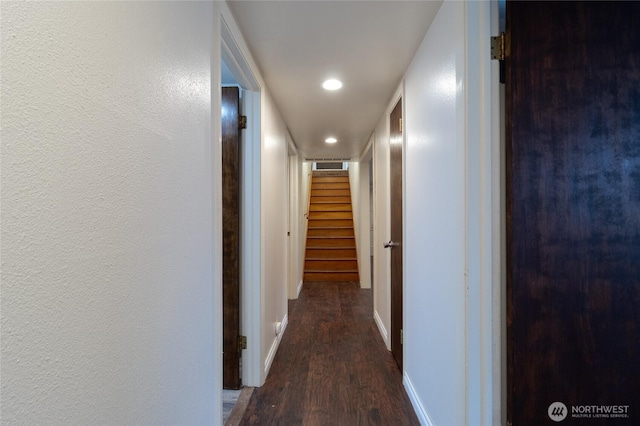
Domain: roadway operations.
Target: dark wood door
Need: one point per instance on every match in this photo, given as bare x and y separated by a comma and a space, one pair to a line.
395, 155
573, 213
231, 236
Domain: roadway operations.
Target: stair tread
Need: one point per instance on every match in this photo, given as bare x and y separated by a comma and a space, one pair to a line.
327, 218
330, 227
319, 237
331, 248
333, 259
334, 247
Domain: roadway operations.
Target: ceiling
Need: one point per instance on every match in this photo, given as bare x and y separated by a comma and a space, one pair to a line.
298, 44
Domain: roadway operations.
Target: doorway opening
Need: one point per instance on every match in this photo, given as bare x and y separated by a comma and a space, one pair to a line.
235, 72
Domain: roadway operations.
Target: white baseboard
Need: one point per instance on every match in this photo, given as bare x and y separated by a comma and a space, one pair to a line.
275, 345
421, 412
299, 289
383, 331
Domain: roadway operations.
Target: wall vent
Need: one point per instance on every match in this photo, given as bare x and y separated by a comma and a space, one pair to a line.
335, 160
329, 166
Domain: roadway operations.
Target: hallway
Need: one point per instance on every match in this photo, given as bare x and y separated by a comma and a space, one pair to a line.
112, 242
332, 366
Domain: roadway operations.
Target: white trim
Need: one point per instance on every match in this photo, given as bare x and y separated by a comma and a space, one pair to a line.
382, 330
480, 233
291, 144
299, 289
405, 322
216, 228
275, 345
250, 272
421, 412
232, 52
367, 151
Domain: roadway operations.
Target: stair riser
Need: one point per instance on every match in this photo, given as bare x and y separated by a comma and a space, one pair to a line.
330, 179
330, 193
330, 232
330, 215
331, 265
329, 223
330, 207
330, 253
331, 186
331, 242
324, 200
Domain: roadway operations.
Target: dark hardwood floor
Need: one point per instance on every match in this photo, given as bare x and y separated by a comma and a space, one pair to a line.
332, 367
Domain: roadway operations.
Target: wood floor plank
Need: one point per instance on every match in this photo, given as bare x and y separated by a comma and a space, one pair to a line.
332, 367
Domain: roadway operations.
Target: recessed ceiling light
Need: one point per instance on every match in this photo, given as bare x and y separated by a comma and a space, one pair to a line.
331, 140
332, 84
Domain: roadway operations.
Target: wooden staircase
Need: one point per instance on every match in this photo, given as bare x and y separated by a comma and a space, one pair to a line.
331, 245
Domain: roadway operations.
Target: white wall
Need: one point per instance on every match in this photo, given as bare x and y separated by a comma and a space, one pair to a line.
304, 188
434, 236
300, 220
295, 229
359, 183
274, 218
447, 228
107, 214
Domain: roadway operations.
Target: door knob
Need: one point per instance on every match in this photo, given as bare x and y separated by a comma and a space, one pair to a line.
391, 244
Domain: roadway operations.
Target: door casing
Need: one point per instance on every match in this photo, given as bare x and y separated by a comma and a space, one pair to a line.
396, 194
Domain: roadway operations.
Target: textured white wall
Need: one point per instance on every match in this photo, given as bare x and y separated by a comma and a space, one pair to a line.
300, 221
107, 297
435, 229
305, 182
293, 239
274, 206
305, 187
359, 183
364, 226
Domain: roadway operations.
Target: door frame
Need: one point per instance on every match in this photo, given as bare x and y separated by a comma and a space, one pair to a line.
397, 347
232, 48
485, 217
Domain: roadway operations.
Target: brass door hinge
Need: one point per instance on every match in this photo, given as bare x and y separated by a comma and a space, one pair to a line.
499, 47
400, 125
402, 337
242, 342
242, 122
